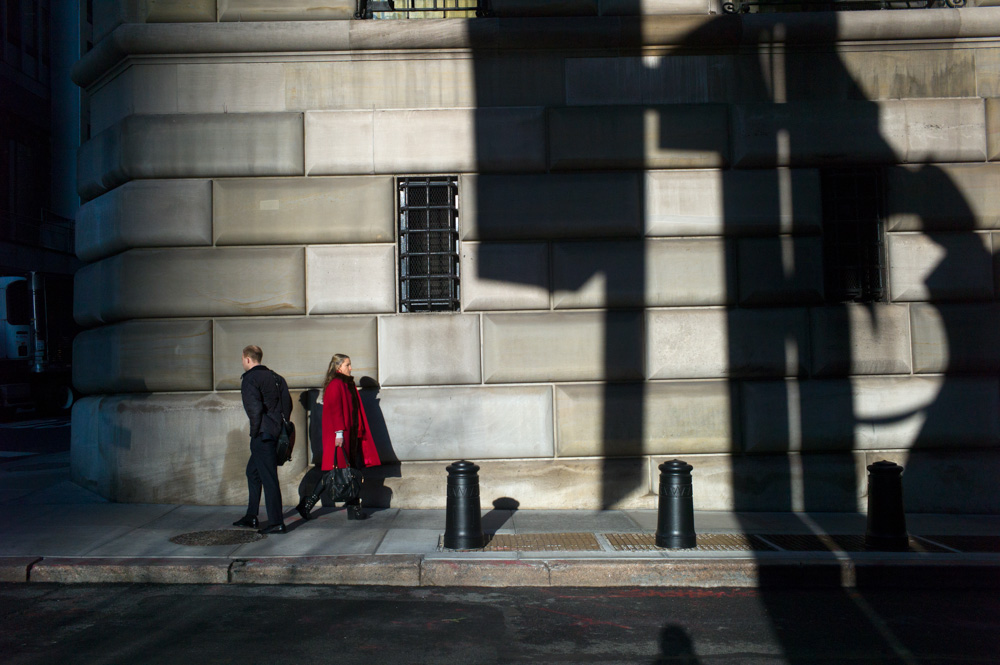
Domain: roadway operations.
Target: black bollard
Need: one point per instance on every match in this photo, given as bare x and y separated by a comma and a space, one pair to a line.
463, 522
886, 529
675, 517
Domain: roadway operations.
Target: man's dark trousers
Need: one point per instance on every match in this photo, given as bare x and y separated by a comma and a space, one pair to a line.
262, 470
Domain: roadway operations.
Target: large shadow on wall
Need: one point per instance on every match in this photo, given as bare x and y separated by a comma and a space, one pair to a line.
799, 144
574, 223
806, 155
804, 359
808, 344
563, 218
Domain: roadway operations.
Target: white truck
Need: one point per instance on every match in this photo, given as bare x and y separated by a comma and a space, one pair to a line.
32, 379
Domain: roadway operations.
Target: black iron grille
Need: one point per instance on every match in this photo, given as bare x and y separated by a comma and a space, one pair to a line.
770, 6
422, 8
428, 244
853, 235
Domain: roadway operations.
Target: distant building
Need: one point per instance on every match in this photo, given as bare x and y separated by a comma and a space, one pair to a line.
40, 130
569, 240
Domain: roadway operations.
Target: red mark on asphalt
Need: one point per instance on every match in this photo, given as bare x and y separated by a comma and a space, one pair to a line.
585, 622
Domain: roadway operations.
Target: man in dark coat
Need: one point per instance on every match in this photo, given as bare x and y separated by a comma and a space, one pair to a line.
265, 398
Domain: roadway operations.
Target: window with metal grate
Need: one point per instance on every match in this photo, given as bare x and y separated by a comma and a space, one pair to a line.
854, 235
428, 244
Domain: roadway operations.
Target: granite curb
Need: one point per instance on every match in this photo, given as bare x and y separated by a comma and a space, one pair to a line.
130, 570
374, 569
888, 571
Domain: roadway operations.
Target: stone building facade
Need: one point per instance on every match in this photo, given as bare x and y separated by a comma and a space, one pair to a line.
659, 214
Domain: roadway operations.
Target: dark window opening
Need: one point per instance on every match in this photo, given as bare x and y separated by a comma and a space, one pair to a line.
854, 235
31, 34
14, 22
428, 244
18, 303
43, 36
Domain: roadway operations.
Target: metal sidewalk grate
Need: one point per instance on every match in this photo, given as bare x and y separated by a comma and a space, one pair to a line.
706, 542
537, 542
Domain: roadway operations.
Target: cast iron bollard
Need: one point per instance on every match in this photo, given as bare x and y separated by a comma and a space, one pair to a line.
886, 529
675, 517
463, 522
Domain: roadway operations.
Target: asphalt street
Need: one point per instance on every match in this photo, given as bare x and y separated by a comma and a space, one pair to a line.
345, 625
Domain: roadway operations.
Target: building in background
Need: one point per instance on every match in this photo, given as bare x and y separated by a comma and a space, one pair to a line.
568, 240
41, 127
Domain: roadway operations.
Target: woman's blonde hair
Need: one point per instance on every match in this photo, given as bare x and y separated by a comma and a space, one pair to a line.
335, 362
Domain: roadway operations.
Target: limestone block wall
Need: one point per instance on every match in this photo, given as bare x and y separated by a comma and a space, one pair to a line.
641, 214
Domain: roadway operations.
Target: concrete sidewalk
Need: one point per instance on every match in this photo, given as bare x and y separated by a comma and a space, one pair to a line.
53, 531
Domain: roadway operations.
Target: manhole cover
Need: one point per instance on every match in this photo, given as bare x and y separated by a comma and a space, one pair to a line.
706, 542
217, 537
538, 542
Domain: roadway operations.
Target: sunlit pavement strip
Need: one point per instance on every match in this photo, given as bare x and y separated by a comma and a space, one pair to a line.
69, 541
52, 530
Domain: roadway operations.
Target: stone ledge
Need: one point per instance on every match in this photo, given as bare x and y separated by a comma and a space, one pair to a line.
561, 32
16, 568
162, 570
382, 569
191, 146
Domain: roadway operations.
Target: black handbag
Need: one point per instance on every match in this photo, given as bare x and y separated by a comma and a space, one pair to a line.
286, 442
286, 434
345, 484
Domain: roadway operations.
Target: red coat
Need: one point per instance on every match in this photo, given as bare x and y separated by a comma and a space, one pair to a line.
337, 413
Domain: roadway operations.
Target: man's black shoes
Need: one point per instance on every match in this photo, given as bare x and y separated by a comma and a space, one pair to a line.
274, 528
251, 522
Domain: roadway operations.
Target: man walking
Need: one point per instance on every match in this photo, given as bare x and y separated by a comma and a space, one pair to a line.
265, 398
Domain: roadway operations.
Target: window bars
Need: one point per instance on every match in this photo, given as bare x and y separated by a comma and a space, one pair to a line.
854, 235
421, 8
771, 6
428, 244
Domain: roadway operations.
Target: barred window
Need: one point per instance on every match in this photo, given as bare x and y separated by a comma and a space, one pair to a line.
854, 235
428, 244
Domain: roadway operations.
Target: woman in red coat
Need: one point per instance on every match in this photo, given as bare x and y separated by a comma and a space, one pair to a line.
347, 439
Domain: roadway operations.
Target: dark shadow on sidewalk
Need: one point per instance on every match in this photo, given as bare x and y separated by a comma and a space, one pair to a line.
676, 647
503, 511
